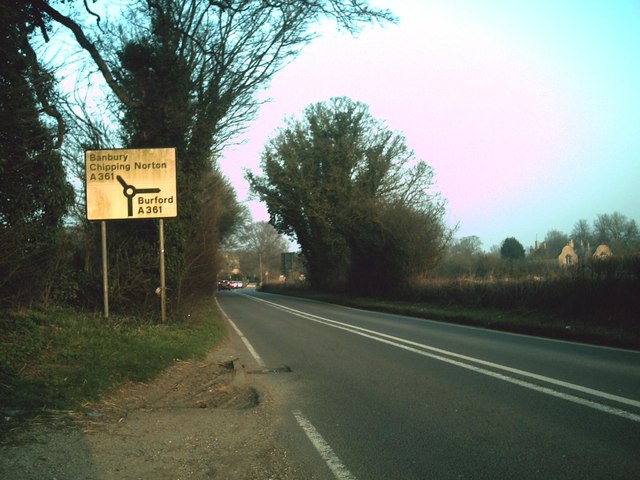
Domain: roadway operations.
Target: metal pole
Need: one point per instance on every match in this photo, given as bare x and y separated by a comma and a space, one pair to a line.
163, 288
105, 277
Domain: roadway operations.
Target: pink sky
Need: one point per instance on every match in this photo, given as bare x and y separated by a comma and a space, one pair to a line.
528, 114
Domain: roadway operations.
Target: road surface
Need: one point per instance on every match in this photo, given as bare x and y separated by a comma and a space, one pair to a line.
379, 396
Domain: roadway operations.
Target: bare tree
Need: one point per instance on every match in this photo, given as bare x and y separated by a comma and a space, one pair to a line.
616, 230
232, 48
582, 234
258, 245
555, 241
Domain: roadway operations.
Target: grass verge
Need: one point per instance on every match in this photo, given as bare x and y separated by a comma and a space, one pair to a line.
62, 359
528, 322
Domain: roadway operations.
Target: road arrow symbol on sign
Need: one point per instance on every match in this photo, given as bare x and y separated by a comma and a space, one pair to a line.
130, 191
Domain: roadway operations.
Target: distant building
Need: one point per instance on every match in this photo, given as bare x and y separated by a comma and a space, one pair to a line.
568, 257
583, 251
539, 246
602, 252
571, 255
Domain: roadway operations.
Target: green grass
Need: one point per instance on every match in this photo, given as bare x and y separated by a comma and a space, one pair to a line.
524, 321
59, 360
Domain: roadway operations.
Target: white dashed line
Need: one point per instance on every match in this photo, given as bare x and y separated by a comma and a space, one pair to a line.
340, 471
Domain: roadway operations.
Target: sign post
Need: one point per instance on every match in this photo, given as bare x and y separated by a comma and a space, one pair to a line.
131, 184
105, 276
163, 287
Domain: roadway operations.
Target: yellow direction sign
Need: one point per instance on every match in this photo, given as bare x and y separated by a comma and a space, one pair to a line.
131, 183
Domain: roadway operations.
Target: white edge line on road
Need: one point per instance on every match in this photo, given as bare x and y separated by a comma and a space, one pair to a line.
246, 342
340, 471
409, 346
501, 332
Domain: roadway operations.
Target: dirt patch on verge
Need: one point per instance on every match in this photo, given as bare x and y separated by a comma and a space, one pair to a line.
200, 419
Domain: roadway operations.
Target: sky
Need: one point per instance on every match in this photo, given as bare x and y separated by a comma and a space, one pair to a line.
528, 111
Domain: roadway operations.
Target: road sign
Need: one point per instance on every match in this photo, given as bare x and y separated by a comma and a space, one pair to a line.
131, 183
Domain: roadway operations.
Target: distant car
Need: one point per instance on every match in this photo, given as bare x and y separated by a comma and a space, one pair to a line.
224, 285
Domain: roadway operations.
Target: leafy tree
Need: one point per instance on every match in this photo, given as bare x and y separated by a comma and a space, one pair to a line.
160, 112
511, 249
401, 243
34, 192
340, 182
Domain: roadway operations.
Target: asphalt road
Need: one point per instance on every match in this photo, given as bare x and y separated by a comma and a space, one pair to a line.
390, 397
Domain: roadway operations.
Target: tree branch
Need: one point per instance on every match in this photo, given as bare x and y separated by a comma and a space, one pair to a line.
39, 79
86, 6
84, 42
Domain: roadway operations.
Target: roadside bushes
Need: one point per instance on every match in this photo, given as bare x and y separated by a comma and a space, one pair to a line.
616, 267
491, 266
615, 301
